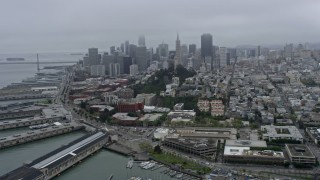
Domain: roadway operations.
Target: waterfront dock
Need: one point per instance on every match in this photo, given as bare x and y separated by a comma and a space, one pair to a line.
38, 134
21, 112
28, 122
25, 96
57, 161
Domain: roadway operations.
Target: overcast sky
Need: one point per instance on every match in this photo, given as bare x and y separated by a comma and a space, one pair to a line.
75, 25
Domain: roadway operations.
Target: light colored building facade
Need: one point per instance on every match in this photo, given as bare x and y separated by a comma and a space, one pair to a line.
271, 132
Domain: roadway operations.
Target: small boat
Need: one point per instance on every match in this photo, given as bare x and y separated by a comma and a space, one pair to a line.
130, 164
173, 173
144, 163
150, 165
179, 175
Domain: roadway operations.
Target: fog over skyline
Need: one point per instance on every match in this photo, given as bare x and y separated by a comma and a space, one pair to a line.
76, 25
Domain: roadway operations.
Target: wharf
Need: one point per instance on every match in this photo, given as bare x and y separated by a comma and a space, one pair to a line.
57, 161
21, 112
24, 96
28, 122
38, 134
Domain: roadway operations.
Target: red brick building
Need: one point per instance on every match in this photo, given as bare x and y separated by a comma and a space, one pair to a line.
130, 107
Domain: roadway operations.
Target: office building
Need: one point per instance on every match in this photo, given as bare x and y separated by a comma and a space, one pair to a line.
271, 132
114, 69
127, 62
177, 57
288, 51
239, 154
199, 147
258, 51
132, 50
163, 50
97, 70
126, 48
112, 49
192, 49
94, 58
141, 58
223, 56
106, 60
134, 70
122, 47
300, 154
142, 41
206, 45
184, 50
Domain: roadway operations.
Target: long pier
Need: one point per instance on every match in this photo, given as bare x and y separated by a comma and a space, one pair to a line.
28, 122
43, 62
20, 113
38, 134
57, 161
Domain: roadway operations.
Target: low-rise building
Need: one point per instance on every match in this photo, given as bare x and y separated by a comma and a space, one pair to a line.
271, 132
198, 147
184, 116
314, 134
151, 117
206, 132
160, 133
147, 99
246, 143
124, 119
131, 105
300, 154
217, 108
203, 105
178, 107
245, 155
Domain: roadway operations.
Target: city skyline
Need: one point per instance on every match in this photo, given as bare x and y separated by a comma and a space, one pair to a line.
61, 29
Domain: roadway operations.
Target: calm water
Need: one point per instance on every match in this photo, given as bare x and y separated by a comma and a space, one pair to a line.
10, 73
104, 163
13, 157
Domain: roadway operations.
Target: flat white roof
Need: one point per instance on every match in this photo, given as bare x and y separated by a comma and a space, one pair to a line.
233, 150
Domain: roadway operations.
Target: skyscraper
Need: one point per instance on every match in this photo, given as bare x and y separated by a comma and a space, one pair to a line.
223, 56
94, 58
288, 51
163, 50
192, 49
126, 48
142, 40
206, 48
112, 49
206, 45
177, 57
141, 58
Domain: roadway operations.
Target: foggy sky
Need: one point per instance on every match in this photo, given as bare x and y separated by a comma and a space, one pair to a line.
75, 25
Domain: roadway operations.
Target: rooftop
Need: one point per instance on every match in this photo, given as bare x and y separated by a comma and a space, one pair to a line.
299, 150
124, 117
245, 151
246, 143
